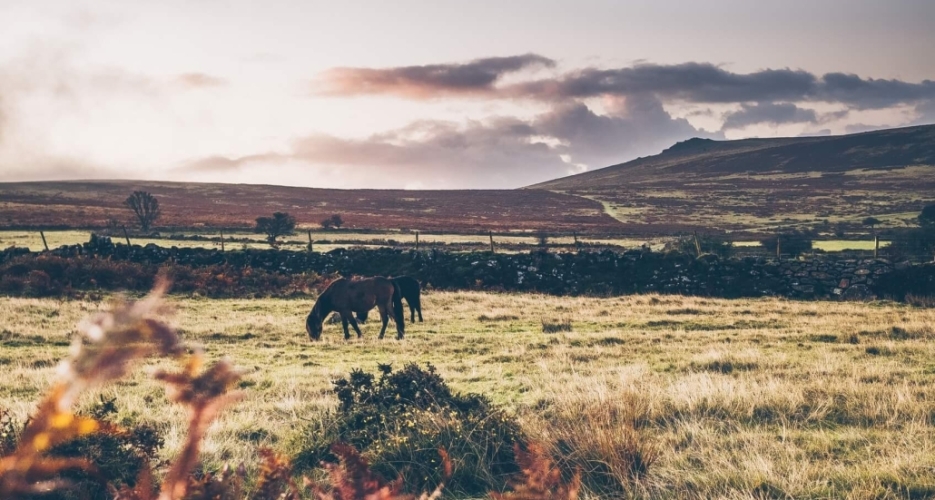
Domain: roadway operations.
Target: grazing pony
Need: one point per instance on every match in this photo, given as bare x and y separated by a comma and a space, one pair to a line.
347, 297
411, 291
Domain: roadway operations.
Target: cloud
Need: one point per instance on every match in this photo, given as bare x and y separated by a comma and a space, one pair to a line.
200, 80
223, 164
634, 126
770, 113
871, 93
692, 82
503, 152
477, 77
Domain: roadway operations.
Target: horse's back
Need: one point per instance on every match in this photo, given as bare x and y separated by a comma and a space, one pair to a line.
408, 285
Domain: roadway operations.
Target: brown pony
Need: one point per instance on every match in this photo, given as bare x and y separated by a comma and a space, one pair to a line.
347, 297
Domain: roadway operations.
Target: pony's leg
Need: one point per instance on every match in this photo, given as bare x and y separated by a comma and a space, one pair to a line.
419, 308
412, 313
385, 318
347, 334
354, 324
400, 318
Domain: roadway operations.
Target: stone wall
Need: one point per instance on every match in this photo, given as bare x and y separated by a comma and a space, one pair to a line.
605, 272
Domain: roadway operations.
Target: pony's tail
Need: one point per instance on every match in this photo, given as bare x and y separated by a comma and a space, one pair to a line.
398, 306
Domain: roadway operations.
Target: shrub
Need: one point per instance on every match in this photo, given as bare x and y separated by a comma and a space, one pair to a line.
402, 417
917, 242
335, 221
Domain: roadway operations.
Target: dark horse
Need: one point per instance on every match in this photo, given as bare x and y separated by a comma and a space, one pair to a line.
411, 291
347, 297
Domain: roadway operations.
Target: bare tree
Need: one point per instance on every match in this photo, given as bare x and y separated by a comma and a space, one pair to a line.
280, 224
146, 208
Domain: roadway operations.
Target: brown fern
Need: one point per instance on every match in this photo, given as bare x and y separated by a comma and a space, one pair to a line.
538, 479
352, 479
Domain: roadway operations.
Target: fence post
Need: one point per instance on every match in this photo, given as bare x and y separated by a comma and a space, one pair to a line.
127, 236
46, 245
697, 245
311, 246
417, 241
491, 241
222, 240
876, 245
778, 248
577, 245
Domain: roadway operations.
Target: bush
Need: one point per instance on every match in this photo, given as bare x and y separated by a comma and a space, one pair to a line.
918, 242
400, 420
335, 221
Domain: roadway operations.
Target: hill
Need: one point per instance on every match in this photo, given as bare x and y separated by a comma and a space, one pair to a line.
761, 183
88, 204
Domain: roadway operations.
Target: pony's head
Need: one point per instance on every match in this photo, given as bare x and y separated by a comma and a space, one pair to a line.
313, 324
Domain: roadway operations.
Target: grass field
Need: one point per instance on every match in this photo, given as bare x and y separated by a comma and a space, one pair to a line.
739, 398
326, 241
323, 240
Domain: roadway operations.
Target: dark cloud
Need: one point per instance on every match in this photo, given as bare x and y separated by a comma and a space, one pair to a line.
871, 93
689, 82
200, 80
770, 113
422, 82
693, 82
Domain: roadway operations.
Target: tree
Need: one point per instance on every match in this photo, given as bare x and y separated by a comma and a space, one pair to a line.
871, 221
927, 217
146, 208
334, 221
280, 224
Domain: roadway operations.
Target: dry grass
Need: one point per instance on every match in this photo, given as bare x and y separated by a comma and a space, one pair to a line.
641, 400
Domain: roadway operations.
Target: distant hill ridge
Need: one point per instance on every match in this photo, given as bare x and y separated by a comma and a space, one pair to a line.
879, 149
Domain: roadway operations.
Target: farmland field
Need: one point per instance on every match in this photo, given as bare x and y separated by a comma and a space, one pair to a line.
738, 398
323, 240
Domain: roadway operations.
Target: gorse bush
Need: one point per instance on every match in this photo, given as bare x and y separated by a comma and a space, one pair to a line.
401, 418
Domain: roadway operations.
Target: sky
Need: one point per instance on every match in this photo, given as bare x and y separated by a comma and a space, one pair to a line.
432, 94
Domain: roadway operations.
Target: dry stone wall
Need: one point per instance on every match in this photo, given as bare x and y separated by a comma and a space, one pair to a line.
605, 272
